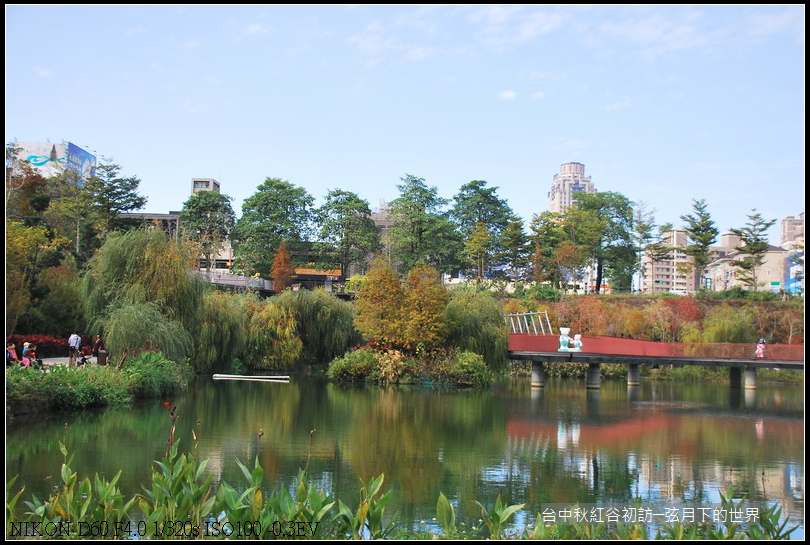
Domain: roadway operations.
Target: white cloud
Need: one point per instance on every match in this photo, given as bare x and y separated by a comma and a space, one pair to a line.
618, 105
507, 95
539, 95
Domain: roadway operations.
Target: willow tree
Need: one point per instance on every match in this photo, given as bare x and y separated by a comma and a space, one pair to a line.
476, 324
272, 341
142, 267
324, 323
222, 332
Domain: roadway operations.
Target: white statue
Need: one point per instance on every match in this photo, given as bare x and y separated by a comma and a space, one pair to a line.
577, 343
565, 340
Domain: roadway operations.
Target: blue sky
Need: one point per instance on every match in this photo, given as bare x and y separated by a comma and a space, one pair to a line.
663, 104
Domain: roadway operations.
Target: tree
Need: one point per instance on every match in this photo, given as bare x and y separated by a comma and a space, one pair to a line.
207, 220
515, 248
607, 235
282, 268
23, 185
422, 232
112, 195
22, 246
477, 249
347, 234
643, 232
548, 232
477, 204
754, 248
425, 309
139, 269
701, 235
380, 302
277, 211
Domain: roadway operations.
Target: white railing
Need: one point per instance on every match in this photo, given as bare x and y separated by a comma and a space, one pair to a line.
531, 323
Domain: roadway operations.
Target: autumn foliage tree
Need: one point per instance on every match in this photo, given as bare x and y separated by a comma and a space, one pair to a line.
380, 303
426, 300
282, 268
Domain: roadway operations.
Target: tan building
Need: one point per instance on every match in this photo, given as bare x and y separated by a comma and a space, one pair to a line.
570, 181
724, 275
673, 275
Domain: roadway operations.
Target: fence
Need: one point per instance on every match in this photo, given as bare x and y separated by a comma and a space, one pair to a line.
533, 323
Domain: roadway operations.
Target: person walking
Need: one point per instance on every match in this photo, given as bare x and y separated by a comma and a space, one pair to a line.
74, 345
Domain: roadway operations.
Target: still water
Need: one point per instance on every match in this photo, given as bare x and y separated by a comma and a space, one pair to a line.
659, 442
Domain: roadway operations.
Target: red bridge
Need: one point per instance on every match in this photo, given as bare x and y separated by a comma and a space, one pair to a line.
531, 339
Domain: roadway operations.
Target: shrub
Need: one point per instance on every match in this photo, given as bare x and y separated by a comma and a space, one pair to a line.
63, 389
393, 367
152, 375
353, 366
469, 368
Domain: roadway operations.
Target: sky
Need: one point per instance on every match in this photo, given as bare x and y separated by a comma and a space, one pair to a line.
663, 104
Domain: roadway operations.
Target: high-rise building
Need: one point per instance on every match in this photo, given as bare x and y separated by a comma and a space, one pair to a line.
569, 181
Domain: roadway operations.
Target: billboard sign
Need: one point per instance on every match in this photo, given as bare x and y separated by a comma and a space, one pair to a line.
48, 159
52, 159
81, 162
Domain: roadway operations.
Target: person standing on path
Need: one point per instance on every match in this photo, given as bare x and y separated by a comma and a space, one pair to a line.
74, 345
98, 345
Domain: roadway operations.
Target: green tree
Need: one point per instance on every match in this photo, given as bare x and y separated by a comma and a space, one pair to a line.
112, 195
515, 248
548, 231
643, 232
223, 333
478, 249
323, 322
476, 204
608, 236
277, 211
422, 232
143, 271
22, 247
753, 249
207, 220
701, 235
346, 233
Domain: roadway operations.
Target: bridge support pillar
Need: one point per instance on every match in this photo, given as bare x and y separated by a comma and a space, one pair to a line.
735, 377
632, 374
592, 380
538, 374
750, 378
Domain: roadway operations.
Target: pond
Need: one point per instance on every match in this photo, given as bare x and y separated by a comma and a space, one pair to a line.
660, 442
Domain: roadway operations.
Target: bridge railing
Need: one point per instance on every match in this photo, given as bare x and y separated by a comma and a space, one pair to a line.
235, 281
532, 323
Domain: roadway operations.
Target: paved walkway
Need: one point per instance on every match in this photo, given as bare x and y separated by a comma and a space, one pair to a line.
51, 362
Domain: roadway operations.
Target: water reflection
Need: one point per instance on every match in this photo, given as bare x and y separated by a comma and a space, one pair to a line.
661, 441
